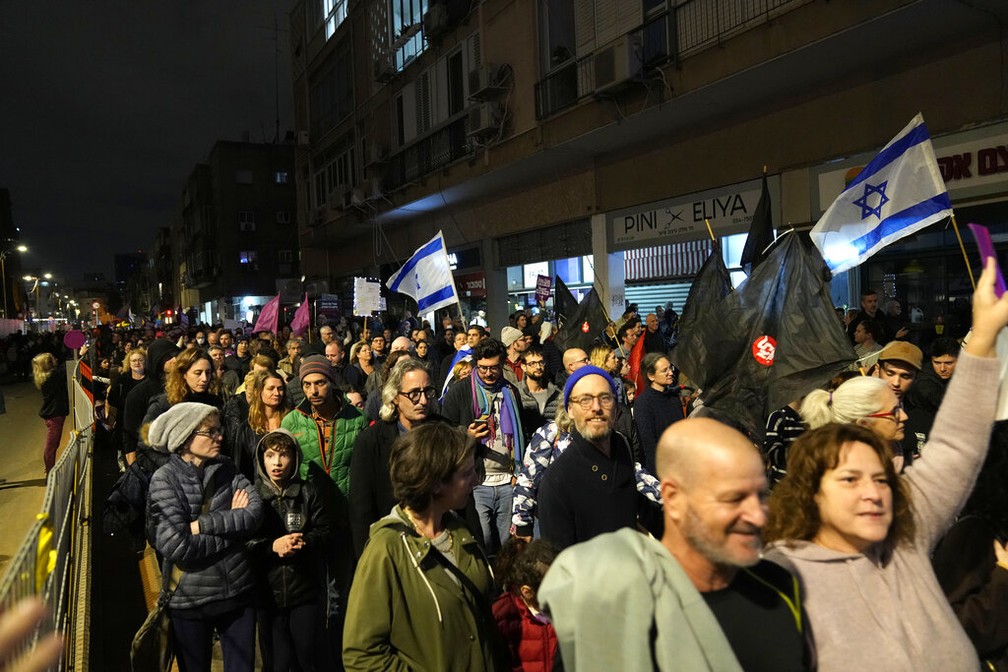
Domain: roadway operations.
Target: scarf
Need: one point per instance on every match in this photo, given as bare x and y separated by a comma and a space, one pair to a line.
510, 428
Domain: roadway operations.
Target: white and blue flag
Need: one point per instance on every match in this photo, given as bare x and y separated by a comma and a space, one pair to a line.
898, 193
427, 277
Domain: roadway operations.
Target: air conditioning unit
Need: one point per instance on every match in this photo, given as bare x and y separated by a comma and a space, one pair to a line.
374, 189
484, 119
485, 82
384, 71
435, 21
338, 197
358, 196
617, 63
303, 138
374, 155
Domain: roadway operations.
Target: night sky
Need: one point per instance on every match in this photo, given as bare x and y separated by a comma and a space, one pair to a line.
107, 106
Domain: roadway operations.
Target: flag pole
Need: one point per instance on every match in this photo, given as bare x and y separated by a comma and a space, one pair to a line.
969, 269
709, 229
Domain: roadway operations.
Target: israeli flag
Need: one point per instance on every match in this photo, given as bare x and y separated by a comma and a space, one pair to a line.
427, 277
898, 193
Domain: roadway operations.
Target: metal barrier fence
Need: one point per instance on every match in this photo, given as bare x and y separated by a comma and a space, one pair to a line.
54, 560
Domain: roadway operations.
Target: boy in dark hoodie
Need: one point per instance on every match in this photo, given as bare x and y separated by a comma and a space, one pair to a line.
289, 550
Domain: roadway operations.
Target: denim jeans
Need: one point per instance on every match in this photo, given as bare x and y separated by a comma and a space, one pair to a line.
493, 504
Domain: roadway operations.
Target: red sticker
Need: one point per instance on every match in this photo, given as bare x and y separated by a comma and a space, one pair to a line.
585, 327
763, 350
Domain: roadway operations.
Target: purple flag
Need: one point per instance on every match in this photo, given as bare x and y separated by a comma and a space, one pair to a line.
268, 317
299, 325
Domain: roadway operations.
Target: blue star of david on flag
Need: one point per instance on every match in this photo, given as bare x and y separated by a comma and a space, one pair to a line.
427, 277
904, 179
862, 202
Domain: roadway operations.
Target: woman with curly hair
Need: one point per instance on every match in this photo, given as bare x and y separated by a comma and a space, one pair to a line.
55, 403
859, 535
190, 379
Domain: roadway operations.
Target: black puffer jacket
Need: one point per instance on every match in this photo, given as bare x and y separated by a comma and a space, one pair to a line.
214, 563
298, 578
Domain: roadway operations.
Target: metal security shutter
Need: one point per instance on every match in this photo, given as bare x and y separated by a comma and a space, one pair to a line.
661, 262
648, 296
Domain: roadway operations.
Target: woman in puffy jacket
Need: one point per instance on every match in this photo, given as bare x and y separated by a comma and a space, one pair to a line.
200, 512
289, 553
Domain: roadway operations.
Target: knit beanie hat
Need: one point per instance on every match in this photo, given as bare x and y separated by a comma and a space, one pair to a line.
587, 370
315, 364
159, 352
509, 335
173, 428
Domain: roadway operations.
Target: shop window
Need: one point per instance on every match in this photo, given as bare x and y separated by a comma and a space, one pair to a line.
514, 278
531, 273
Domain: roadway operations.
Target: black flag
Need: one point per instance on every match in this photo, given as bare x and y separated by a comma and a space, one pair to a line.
564, 302
760, 233
711, 285
584, 326
771, 341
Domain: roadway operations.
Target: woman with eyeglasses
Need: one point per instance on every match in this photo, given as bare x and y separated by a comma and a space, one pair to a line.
656, 406
862, 400
200, 513
859, 535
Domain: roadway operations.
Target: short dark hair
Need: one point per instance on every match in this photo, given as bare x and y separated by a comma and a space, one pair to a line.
424, 458
946, 345
622, 331
650, 364
868, 292
480, 330
533, 349
489, 348
872, 327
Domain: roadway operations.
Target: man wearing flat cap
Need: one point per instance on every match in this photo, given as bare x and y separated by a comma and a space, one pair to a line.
591, 488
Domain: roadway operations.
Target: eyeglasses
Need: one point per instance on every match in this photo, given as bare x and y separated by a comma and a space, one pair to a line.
488, 369
891, 415
583, 360
414, 395
210, 433
535, 363
586, 401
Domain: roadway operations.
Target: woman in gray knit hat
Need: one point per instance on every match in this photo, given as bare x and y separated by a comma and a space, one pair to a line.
200, 512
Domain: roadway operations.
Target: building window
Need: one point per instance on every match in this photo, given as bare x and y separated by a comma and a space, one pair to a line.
243, 177
246, 220
336, 168
285, 256
247, 257
281, 177
335, 12
405, 15
283, 217
330, 96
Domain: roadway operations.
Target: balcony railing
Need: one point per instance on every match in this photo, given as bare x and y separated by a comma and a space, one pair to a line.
431, 152
686, 29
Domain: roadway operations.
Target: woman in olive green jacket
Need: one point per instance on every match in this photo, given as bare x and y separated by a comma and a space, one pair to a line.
422, 592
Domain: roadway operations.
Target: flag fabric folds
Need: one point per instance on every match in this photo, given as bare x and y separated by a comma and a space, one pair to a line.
564, 303
634, 360
899, 192
268, 317
299, 324
584, 326
770, 342
427, 277
712, 284
760, 233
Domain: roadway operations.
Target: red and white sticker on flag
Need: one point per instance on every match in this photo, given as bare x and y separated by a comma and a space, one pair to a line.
585, 327
763, 350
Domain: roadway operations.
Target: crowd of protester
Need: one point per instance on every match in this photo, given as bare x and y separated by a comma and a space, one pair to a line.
469, 497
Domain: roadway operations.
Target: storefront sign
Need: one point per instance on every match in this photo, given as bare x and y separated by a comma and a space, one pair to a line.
728, 209
471, 285
544, 284
466, 258
973, 163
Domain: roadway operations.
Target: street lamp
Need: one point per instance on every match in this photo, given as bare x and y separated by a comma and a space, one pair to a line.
3, 270
37, 289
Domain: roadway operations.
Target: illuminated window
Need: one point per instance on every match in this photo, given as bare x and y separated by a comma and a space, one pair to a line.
247, 257
335, 12
281, 177
407, 18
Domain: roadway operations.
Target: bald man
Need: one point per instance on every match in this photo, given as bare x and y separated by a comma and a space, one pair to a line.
699, 599
573, 359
